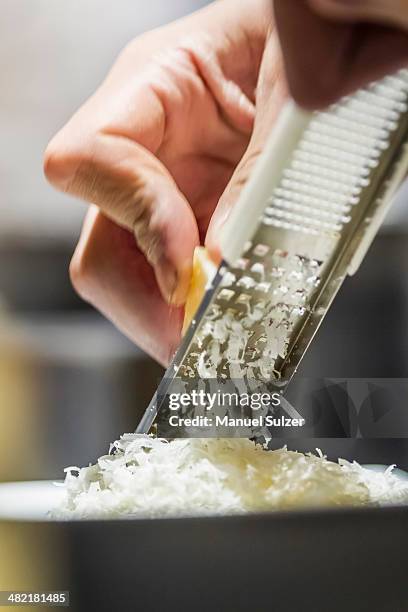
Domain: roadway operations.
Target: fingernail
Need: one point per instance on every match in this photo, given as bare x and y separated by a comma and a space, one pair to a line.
174, 284
179, 295
167, 279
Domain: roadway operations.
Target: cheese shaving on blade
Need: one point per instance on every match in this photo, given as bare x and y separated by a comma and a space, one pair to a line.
150, 477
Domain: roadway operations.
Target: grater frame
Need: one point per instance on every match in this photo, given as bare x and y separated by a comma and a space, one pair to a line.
339, 255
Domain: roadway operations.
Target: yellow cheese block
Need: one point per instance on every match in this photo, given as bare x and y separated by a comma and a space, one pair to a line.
204, 270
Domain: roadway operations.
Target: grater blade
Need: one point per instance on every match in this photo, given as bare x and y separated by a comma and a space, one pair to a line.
304, 221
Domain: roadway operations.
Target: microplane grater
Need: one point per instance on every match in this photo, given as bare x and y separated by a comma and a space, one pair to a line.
304, 221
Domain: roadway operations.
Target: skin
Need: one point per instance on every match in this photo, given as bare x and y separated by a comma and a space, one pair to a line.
173, 132
163, 148
332, 47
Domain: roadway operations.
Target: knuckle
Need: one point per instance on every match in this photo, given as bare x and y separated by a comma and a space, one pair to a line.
61, 162
52, 162
82, 273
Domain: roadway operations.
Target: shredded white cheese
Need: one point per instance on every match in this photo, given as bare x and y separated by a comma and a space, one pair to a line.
248, 328
151, 477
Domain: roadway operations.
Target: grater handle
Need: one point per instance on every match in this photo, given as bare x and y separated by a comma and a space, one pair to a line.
244, 218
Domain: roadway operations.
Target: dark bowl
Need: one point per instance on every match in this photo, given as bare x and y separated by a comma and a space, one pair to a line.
346, 560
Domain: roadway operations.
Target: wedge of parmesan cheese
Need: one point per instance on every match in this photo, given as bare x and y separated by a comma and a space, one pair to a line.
150, 477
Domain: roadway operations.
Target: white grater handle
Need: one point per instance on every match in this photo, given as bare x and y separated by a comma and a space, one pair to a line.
244, 217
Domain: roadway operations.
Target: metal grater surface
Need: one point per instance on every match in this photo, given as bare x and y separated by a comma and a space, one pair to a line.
261, 313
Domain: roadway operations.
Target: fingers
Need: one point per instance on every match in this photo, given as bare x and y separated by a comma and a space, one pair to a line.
328, 56
133, 189
271, 95
393, 12
110, 272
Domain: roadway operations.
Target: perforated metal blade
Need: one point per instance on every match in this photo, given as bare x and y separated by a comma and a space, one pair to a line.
304, 221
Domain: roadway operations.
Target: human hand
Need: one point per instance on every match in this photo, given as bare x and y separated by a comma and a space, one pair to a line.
178, 123
332, 47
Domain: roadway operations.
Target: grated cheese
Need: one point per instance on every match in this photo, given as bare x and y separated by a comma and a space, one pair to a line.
151, 477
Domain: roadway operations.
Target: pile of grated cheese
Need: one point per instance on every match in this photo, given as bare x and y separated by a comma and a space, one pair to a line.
150, 477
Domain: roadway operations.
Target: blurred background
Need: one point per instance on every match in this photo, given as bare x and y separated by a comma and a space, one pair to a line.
69, 382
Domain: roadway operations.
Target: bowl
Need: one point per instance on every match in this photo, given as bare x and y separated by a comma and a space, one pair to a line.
344, 559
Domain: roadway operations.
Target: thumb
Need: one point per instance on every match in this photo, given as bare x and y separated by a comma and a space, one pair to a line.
271, 96
131, 187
